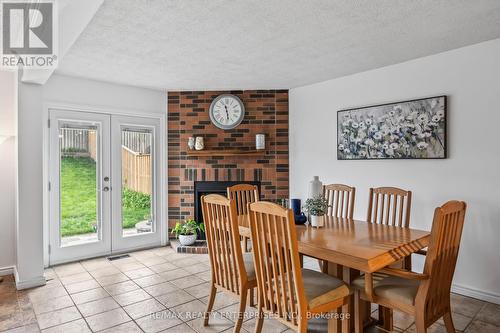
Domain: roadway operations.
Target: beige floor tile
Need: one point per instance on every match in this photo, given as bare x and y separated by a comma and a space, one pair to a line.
199, 291
69, 269
198, 268
434, 328
33, 328
58, 317
150, 280
175, 274
216, 323
106, 271
175, 298
222, 300
182, 328
93, 264
77, 326
158, 322
478, 326
143, 254
402, 320
129, 327
46, 292
161, 251
206, 276
131, 297
490, 313
139, 273
107, 319
187, 281
269, 326
75, 278
160, 289
144, 308
82, 286
98, 306
130, 266
185, 262
152, 261
163, 267
459, 321
231, 312
190, 310
111, 279
465, 305
52, 304
121, 288
89, 295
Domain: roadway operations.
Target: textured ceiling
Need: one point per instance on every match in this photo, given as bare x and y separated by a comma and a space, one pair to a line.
245, 44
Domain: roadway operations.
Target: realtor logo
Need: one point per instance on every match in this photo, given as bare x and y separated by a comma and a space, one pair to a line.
28, 34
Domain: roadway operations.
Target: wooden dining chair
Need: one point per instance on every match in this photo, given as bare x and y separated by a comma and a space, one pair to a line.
232, 270
243, 194
285, 290
390, 206
425, 296
340, 200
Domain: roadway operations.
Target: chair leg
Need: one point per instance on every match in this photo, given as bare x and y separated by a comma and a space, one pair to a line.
358, 319
245, 239
251, 296
210, 305
302, 325
448, 322
301, 259
260, 318
324, 266
241, 311
386, 318
420, 323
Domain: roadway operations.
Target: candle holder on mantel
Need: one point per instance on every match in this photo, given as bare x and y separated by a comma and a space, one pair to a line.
199, 144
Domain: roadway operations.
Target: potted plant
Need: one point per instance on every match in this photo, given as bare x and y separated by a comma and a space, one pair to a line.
317, 208
187, 232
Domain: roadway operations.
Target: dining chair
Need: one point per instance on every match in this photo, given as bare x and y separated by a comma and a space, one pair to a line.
243, 194
287, 292
390, 206
232, 270
427, 295
340, 199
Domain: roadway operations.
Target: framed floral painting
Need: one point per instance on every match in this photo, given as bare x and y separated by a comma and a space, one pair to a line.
413, 129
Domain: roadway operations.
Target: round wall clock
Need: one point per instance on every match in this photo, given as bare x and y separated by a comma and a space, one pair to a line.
227, 111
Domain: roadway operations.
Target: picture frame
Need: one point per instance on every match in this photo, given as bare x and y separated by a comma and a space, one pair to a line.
411, 129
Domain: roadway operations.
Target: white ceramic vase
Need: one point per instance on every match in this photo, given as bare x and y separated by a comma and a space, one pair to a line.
315, 187
187, 240
317, 221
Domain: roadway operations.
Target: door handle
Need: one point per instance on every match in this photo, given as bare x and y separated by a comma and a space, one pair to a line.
106, 189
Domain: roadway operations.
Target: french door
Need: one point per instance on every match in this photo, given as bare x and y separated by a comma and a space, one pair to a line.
103, 176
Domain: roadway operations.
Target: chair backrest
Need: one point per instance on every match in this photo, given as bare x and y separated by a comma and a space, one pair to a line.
441, 259
222, 232
340, 200
389, 205
277, 264
243, 194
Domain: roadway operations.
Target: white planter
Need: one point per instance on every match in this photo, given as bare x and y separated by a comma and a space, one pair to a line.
187, 240
317, 221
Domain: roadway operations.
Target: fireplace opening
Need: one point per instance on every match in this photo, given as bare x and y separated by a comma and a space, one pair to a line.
202, 188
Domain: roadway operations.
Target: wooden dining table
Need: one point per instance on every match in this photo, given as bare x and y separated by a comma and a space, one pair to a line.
351, 247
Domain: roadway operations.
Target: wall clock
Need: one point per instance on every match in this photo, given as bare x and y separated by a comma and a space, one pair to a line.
227, 111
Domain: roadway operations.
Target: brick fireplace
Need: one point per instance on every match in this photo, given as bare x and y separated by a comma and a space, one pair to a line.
266, 112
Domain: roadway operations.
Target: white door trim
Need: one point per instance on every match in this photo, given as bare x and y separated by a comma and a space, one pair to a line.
54, 105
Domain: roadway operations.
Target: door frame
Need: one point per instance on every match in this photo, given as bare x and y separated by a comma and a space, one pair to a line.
163, 153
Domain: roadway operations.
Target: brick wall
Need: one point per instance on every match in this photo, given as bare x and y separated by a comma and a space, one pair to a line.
266, 111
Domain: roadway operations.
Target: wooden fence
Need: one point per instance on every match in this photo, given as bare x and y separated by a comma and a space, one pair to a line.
136, 171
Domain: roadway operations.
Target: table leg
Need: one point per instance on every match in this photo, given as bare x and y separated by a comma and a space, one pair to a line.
385, 318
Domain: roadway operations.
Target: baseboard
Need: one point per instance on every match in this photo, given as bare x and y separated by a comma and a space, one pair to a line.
474, 293
31, 283
6, 270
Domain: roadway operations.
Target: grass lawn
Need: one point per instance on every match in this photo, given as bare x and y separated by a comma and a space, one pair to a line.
79, 198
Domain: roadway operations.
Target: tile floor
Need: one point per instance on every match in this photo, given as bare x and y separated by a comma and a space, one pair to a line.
159, 290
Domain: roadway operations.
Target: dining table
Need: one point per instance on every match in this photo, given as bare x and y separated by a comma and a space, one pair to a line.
352, 247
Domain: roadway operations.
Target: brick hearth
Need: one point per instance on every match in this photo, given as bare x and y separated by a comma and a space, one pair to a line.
266, 112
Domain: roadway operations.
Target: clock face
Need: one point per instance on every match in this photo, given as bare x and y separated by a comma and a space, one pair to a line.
227, 111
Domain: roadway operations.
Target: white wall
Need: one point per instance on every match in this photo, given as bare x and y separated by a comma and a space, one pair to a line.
470, 77
31, 122
8, 109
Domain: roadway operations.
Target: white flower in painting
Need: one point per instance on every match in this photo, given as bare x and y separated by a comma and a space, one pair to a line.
423, 118
394, 146
440, 113
355, 125
427, 134
436, 118
392, 113
398, 107
369, 142
347, 116
362, 153
412, 115
341, 147
385, 146
362, 125
422, 145
377, 136
345, 123
347, 151
433, 103
389, 152
361, 135
368, 121
373, 128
